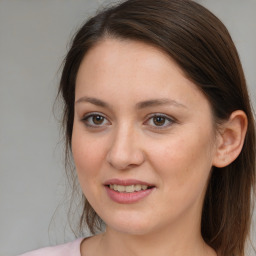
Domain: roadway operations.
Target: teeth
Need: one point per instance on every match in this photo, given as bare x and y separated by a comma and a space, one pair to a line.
137, 187
128, 189
120, 188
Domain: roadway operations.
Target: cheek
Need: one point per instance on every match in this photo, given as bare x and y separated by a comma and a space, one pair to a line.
87, 157
184, 162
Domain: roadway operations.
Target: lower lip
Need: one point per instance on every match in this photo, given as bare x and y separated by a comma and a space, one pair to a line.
127, 198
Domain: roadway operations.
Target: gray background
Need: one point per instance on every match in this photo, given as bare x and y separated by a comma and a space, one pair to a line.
33, 40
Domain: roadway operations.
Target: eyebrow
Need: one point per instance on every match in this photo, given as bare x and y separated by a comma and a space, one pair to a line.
158, 102
139, 105
93, 101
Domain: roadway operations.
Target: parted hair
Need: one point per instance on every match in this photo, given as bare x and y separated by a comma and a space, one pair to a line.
202, 47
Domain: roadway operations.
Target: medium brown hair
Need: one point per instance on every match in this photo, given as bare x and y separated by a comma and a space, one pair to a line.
201, 45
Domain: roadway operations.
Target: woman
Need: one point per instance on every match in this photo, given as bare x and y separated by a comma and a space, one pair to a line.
158, 120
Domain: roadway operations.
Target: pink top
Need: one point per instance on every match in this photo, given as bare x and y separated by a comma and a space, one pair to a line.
68, 249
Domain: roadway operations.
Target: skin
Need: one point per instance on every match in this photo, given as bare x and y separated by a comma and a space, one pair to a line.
175, 156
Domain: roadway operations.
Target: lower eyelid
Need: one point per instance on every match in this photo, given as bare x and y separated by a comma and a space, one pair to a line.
167, 120
85, 118
170, 121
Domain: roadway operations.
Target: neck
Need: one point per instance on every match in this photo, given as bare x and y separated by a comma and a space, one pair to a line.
178, 241
180, 237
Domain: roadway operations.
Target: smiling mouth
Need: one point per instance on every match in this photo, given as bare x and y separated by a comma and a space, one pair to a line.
129, 189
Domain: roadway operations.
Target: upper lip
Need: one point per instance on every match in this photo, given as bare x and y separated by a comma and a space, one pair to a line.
127, 182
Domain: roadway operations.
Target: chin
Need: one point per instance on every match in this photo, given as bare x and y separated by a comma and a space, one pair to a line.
130, 224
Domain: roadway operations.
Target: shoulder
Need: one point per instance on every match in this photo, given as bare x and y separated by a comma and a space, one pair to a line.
68, 249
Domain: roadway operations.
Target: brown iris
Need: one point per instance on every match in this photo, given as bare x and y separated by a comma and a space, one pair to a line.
97, 119
159, 120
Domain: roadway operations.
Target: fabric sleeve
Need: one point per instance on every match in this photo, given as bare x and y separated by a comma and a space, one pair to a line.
68, 249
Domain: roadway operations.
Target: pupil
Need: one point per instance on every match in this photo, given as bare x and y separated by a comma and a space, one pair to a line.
159, 120
98, 119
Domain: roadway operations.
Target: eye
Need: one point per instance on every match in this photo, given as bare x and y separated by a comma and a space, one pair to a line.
95, 120
160, 121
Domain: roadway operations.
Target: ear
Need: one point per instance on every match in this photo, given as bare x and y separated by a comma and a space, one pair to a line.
230, 139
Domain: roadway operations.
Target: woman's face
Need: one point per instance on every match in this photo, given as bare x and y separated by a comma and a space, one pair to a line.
143, 139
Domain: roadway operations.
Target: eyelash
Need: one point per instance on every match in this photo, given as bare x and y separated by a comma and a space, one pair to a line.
86, 119
166, 118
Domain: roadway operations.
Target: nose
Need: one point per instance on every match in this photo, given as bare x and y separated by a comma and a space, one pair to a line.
125, 151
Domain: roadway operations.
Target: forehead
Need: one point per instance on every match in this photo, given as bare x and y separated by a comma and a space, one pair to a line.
132, 70
118, 55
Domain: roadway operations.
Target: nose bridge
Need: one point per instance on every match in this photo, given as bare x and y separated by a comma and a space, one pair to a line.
125, 150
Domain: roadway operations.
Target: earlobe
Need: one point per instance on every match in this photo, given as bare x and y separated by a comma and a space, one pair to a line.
231, 139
